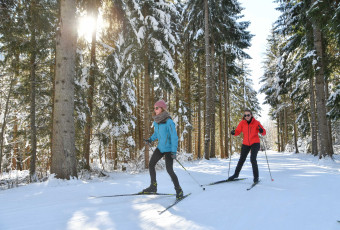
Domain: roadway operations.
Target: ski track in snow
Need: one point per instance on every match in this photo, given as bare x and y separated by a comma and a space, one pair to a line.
303, 195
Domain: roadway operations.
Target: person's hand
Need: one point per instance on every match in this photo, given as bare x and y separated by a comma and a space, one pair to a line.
147, 140
173, 155
232, 132
260, 129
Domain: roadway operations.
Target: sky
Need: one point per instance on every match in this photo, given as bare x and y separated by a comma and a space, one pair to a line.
261, 14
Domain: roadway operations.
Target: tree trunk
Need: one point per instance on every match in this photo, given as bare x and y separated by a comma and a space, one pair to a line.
313, 118
115, 154
139, 115
33, 65
285, 114
53, 72
16, 157
3, 127
221, 112
278, 132
90, 92
199, 111
295, 129
146, 103
229, 119
212, 106
16, 154
226, 105
320, 92
313, 122
64, 163
283, 145
187, 97
207, 138
329, 123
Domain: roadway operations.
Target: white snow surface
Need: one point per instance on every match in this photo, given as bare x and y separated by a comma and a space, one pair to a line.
303, 195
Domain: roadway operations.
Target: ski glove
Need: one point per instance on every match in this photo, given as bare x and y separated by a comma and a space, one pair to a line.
173, 155
232, 132
260, 129
148, 140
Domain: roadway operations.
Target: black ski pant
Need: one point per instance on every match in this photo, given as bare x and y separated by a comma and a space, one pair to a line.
156, 156
254, 148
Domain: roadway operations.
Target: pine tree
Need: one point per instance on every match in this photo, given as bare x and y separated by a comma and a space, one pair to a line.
63, 146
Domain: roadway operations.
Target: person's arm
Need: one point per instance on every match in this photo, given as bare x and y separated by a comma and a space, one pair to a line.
173, 136
263, 133
238, 129
154, 136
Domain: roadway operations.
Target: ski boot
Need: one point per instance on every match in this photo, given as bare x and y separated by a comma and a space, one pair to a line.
233, 177
151, 189
179, 193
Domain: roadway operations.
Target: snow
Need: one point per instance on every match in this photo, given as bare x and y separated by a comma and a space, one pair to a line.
303, 195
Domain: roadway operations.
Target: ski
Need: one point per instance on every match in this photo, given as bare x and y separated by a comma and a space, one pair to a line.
176, 202
223, 181
253, 185
136, 194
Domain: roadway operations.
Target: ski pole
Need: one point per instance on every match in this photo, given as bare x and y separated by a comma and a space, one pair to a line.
265, 152
230, 154
190, 174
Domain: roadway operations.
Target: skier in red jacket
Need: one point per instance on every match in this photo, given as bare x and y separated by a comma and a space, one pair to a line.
250, 128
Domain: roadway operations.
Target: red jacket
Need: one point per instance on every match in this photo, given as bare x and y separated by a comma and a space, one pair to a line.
250, 131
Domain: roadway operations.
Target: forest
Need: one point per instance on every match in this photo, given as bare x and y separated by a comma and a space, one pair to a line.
79, 78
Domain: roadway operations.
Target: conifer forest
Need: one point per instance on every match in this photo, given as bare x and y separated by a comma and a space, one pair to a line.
79, 79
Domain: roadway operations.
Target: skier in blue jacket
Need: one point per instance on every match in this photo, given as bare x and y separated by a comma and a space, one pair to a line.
165, 133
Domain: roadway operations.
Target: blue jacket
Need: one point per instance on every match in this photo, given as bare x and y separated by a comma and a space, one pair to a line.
166, 135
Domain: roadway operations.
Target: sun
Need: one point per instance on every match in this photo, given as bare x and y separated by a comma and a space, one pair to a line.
86, 26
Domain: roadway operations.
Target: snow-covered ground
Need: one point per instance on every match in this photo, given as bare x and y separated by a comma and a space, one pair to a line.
303, 195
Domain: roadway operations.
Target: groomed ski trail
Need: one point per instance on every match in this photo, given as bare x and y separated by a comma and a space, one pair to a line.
304, 196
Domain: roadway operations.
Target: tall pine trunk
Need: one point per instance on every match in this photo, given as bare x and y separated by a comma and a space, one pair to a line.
226, 107
212, 106
199, 111
146, 103
313, 121
90, 93
187, 96
221, 109
33, 57
313, 118
325, 149
278, 132
295, 129
285, 114
64, 163
207, 138
329, 123
16, 153
5, 121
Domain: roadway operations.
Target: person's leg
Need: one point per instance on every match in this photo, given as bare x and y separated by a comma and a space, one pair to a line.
156, 156
244, 153
253, 155
169, 168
